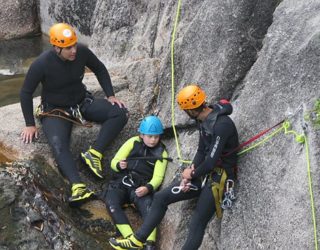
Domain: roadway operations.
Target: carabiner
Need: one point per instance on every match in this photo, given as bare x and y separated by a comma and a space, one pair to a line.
178, 189
130, 182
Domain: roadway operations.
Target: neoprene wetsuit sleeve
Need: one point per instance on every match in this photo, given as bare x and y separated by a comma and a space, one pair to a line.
101, 72
34, 76
158, 173
200, 155
222, 133
123, 153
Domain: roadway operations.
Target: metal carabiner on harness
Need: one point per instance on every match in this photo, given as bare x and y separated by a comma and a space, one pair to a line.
75, 112
178, 189
127, 181
229, 196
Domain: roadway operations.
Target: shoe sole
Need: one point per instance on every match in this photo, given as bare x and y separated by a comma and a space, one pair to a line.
116, 247
80, 201
120, 248
87, 162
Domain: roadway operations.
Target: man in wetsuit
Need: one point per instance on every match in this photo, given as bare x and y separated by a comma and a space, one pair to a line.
60, 70
214, 162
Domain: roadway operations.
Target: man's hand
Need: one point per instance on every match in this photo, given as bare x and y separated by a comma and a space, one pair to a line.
123, 164
186, 174
141, 191
28, 133
114, 100
184, 185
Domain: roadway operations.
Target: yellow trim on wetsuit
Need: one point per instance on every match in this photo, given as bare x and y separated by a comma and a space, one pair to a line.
159, 167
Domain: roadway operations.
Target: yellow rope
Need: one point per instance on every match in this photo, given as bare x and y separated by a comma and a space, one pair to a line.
311, 194
261, 142
300, 138
173, 84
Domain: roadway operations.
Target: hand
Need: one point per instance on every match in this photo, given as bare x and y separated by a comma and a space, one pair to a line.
114, 100
186, 174
28, 133
141, 191
123, 164
184, 184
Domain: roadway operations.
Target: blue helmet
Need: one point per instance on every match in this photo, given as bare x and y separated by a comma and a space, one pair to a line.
151, 125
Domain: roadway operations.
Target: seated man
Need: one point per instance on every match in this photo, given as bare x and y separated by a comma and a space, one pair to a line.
60, 70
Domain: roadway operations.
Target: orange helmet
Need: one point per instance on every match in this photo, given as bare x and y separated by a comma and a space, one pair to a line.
191, 97
62, 35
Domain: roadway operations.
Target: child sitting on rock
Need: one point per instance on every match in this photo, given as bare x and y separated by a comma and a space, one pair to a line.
140, 166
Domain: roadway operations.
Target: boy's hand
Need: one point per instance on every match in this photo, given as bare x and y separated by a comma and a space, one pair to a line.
123, 164
142, 191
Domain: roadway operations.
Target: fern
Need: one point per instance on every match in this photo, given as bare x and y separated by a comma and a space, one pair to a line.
314, 115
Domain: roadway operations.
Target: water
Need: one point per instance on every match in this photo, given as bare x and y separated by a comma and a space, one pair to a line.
15, 59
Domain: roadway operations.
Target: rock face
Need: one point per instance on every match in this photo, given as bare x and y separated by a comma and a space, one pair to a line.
264, 56
18, 19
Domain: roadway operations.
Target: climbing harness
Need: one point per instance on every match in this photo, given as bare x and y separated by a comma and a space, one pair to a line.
72, 114
218, 179
178, 189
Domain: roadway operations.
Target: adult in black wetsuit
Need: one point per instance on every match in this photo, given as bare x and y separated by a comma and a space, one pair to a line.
61, 71
218, 136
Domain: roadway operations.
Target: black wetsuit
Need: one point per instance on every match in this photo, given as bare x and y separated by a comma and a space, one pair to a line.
62, 88
218, 136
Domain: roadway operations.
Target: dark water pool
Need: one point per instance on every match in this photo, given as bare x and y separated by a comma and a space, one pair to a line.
15, 59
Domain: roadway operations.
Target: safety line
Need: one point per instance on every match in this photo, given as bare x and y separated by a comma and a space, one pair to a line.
173, 84
311, 195
261, 142
300, 138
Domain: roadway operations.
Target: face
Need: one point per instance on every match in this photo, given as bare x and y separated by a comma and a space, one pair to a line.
193, 114
68, 53
150, 140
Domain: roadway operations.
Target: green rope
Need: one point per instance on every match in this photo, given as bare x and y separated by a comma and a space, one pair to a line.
311, 194
173, 84
260, 142
300, 138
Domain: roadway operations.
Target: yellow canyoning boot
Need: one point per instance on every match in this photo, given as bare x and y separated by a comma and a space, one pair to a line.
80, 193
92, 158
129, 243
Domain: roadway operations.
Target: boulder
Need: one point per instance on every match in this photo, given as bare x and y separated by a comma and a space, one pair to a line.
18, 19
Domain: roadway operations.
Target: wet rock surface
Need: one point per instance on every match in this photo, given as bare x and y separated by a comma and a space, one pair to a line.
35, 214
